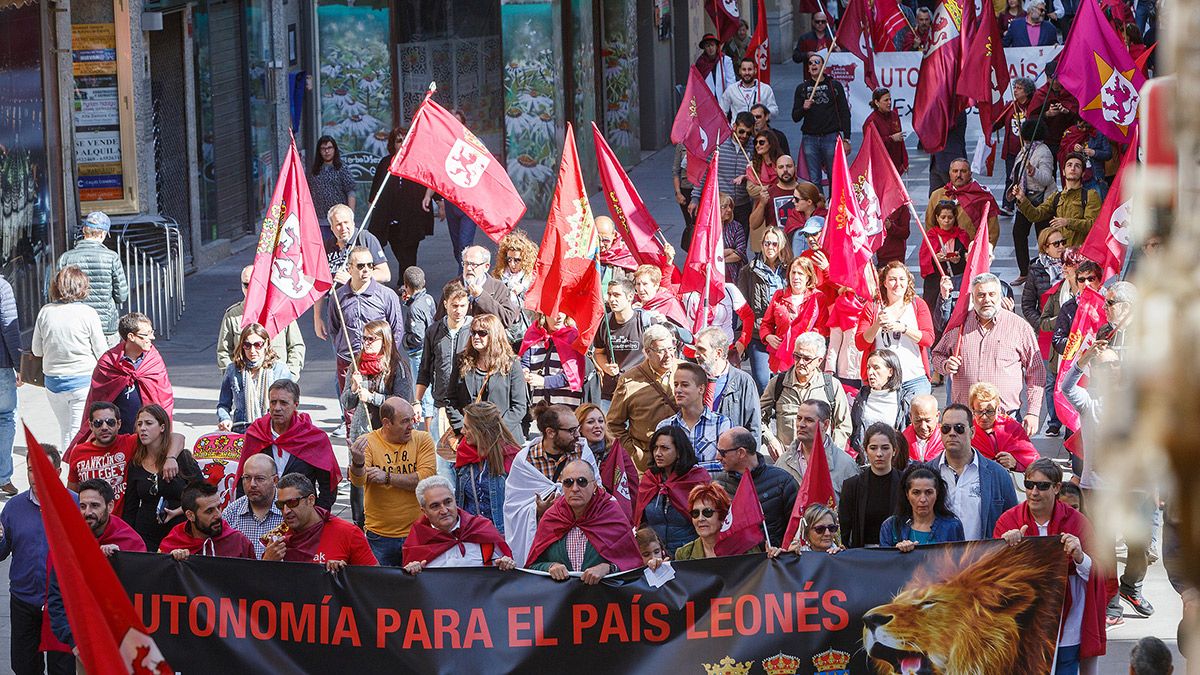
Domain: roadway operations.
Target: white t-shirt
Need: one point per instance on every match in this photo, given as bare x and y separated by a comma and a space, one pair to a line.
906, 348
1078, 585
881, 406
281, 456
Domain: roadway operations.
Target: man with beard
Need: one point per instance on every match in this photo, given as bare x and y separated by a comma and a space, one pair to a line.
748, 91
310, 533
254, 513
1071, 210
730, 391
971, 197
445, 536
825, 111
204, 531
995, 346
772, 204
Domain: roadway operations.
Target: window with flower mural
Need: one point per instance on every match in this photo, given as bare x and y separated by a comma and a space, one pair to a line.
532, 93
620, 64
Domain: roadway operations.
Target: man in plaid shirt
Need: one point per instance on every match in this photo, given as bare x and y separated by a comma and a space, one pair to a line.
254, 513
997, 346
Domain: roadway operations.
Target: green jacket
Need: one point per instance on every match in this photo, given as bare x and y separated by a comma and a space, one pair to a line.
557, 553
1067, 204
108, 288
695, 551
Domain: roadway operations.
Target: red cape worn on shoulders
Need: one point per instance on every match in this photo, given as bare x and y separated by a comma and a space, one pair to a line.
120, 533
114, 374
425, 542
229, 544
564, 343
467, 454
971, 198
605, 525
303, 440
1007, 436
675, 487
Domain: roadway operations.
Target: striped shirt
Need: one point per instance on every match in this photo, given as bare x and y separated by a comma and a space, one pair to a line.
240, 517
704, 435
543, 359
731, 164
1007, 355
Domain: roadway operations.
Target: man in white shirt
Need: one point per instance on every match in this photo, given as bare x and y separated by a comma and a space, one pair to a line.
445, 537
748, 91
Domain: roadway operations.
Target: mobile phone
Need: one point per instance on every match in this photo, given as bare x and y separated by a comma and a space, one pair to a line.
161, 511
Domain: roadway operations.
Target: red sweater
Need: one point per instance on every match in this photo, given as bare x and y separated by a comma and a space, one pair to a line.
924, 324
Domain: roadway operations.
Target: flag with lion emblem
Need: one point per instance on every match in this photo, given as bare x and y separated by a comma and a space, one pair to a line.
877, 186
1095, 66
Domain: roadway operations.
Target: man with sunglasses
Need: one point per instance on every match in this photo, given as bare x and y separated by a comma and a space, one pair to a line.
288, 344
1087, 275
312, 534
978, 490
821, 108
819, 39
737, 450
731, 169
337, 250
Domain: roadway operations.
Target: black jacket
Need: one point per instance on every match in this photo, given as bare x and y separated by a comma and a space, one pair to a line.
438, 355
852, 509
398, 208
1031, 296
1062, 324
776, 493
830, 111
507, 391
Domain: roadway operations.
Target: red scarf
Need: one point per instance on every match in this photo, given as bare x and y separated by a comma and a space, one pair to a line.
603, 523
933, 447
664, 302
302, 545
229, 544
468, 454
618, 255
425, 542
705, 63
120, 533
563, 340
807, 318
1066, 519
114, 374
1007, 436
971, 198
303, 440
369, 364
675, 487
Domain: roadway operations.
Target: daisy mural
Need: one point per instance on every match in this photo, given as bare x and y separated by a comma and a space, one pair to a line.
619, 61
531, 85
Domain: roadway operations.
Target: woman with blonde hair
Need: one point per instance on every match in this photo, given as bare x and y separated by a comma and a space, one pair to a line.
758, 282
152, 502
484, 458
251, 370
515, 261
797, 308
487, 370
998, 436
817, 531
594, 430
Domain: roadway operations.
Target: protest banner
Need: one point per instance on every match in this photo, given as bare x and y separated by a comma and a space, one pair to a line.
904, 611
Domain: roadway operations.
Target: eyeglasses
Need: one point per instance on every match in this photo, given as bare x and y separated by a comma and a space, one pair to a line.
570, 430
468, 263
958, 428
986, 412
582, 482
724, 451
1087, 279
289, 503
106, 422
801, 358
479, 333
1111, 302
772, 244
759, 117
364, 266
822, 529
1056, 242
371, 339
1041, 485
819, 21
146, 336
707, 513
254, 345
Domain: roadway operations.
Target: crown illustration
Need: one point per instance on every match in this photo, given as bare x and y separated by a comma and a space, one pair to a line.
781, 664
727, 666
831, 661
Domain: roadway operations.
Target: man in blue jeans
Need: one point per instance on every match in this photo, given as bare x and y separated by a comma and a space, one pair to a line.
10, 379
821, 109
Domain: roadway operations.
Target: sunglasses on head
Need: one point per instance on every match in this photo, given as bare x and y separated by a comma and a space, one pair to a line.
1041, 485
707, 513
289, 503
957, 427
106, 422
822, 529
582, 482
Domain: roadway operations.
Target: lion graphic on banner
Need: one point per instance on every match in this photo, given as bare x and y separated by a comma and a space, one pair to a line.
925, 628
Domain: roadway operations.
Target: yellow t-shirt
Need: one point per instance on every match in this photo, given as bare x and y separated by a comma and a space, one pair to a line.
391, 511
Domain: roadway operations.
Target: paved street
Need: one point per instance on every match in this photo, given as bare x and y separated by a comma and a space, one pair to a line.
191, 359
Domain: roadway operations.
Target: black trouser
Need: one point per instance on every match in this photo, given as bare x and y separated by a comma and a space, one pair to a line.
25, 659
1021, 227
689, 221
404, 247
1009, 163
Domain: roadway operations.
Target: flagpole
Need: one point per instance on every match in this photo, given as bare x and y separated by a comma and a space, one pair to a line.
925, 237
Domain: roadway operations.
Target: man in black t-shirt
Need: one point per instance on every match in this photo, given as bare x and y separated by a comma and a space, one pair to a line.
618, 343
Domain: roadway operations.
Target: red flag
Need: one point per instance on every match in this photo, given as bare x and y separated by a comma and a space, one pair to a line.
815, 488
1096, 68
743, 526
1142, 60
979, 260
697, 166
759, 48
845, 240
633, 219
440, 153
700, 123
619, 476
567, 276
984, 76
1108, 239
704, 271
935, 104
111, 638
291, 271
1089, 317
886, 22
725, 16
877, 186
854, 35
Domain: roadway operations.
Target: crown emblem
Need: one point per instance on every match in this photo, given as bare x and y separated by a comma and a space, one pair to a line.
832, 661
781, 664
727, 666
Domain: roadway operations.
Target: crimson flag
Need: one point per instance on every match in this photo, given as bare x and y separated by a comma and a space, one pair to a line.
633, 219
700, 124
111, 638
1090, 315
984, 76
815, 488
878, 188
704, 271
854, 35
291, 271
697, 166
725, 16
1096, 68
759, 48
440, 153
846, 241
979, 260
742, 529
1108, 240
619, 476
935, 104
567, 276
887, 20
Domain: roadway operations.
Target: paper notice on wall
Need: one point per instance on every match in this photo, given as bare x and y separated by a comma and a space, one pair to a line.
96, 112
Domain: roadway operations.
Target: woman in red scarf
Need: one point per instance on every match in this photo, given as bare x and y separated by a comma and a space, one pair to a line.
382, 372
900, 321
1081, 636
997, 436
485, 455
553, 366
950, 242
662, 502
795, 309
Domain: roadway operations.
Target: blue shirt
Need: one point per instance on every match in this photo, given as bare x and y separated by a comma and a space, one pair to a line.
704, 435
129, 402
25, 539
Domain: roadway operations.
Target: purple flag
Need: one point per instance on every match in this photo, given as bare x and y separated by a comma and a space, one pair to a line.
1095, 66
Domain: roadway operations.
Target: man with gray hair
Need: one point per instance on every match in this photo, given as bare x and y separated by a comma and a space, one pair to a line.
731, 391
444, 536
108, 288
644, 395
783, 395
487, 295
337, 251
994, 345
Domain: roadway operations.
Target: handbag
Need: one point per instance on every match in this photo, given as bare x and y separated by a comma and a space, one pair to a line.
31, 370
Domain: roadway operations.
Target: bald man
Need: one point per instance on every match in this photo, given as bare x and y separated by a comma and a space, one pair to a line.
288, 345
772, 201
254, 513
924, 438
616, 262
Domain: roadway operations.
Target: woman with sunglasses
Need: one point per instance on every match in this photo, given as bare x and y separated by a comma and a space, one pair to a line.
797, 308
1058, 314
662, 500
818, 531
482, 462
997, 436
553, 367
152, 502
868, 498
708, 505
1081, 637
252, 369
761, 169
1045, 274
488, 371
921, 515
514, 265
759, 281
382, 372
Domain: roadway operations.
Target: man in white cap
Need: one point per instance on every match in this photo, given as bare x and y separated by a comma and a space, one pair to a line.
107, 285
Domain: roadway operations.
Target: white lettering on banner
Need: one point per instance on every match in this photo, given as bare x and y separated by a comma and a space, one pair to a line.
899, 72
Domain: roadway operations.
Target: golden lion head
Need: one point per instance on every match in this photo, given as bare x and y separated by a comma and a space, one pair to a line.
975, 620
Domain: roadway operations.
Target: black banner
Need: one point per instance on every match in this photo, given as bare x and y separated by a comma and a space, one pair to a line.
979, 606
